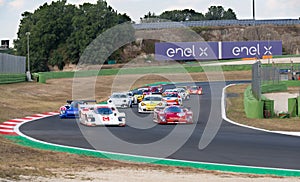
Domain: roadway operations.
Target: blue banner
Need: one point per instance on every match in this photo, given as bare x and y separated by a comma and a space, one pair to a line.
250, 49
216, 50
186, 50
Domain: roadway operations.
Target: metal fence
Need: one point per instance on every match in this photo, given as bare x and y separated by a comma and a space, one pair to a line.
12, 64
247, 22
264, 75
270, 75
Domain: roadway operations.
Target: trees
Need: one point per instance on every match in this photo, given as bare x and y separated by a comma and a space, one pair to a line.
214, 13
182, 15
219, 13
60, 32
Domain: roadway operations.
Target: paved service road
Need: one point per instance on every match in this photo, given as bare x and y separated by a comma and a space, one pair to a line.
231, 145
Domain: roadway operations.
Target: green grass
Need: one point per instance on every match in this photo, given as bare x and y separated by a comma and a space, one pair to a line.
144, 70
286, 56
167, 162
191, 67
292, 83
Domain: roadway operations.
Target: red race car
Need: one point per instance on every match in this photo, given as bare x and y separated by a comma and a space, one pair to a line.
156, 89
173, 114
195, 90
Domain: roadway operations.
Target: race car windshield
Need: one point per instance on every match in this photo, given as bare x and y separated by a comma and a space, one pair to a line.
170, 95
137, 92
194, 88
103, 111
173, 110
152, 99
117, 96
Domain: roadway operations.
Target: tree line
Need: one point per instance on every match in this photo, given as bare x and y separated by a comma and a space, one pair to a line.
214, 13
60, 32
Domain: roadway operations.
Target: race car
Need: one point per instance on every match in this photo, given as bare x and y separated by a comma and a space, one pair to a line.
70, 110
101, 114
146, 91
137, 96
195, 90
120, 100
183, 93
149, 103
172, 114
172, 98
156, 89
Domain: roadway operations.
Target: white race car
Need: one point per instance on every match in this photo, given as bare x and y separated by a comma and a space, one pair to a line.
101, 114
120, 99
150, 102
183, 93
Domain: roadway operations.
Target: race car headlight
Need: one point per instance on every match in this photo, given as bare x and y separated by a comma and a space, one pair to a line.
160, 104
143, 104
121, 119
162, 118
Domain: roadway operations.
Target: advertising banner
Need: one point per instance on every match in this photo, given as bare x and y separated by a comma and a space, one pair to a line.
250, 49
216, 50
186, 50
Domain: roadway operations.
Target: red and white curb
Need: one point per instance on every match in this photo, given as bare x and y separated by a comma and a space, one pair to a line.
8, 127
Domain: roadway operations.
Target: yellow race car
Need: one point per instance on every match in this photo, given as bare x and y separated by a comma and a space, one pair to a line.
150, 102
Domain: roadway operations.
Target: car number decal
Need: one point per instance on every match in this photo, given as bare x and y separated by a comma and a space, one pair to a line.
105, 118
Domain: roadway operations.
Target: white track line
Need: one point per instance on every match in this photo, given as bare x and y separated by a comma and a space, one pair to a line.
224, 116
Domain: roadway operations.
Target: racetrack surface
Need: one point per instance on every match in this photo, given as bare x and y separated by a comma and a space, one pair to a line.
231, 145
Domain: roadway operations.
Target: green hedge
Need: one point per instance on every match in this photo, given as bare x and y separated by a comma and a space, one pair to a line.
12, 78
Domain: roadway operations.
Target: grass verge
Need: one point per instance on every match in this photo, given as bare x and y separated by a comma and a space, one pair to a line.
235, 111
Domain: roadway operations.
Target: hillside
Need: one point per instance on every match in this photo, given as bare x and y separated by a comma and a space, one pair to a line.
142, 50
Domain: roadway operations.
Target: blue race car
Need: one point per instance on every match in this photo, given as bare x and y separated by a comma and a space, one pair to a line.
71, 109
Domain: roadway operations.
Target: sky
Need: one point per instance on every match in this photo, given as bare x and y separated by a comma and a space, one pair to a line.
11, 10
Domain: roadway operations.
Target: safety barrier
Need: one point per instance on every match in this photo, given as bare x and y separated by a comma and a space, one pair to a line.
207, 23
12, 78
253, 107
264, 108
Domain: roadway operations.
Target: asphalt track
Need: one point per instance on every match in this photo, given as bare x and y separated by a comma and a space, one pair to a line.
231, 145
